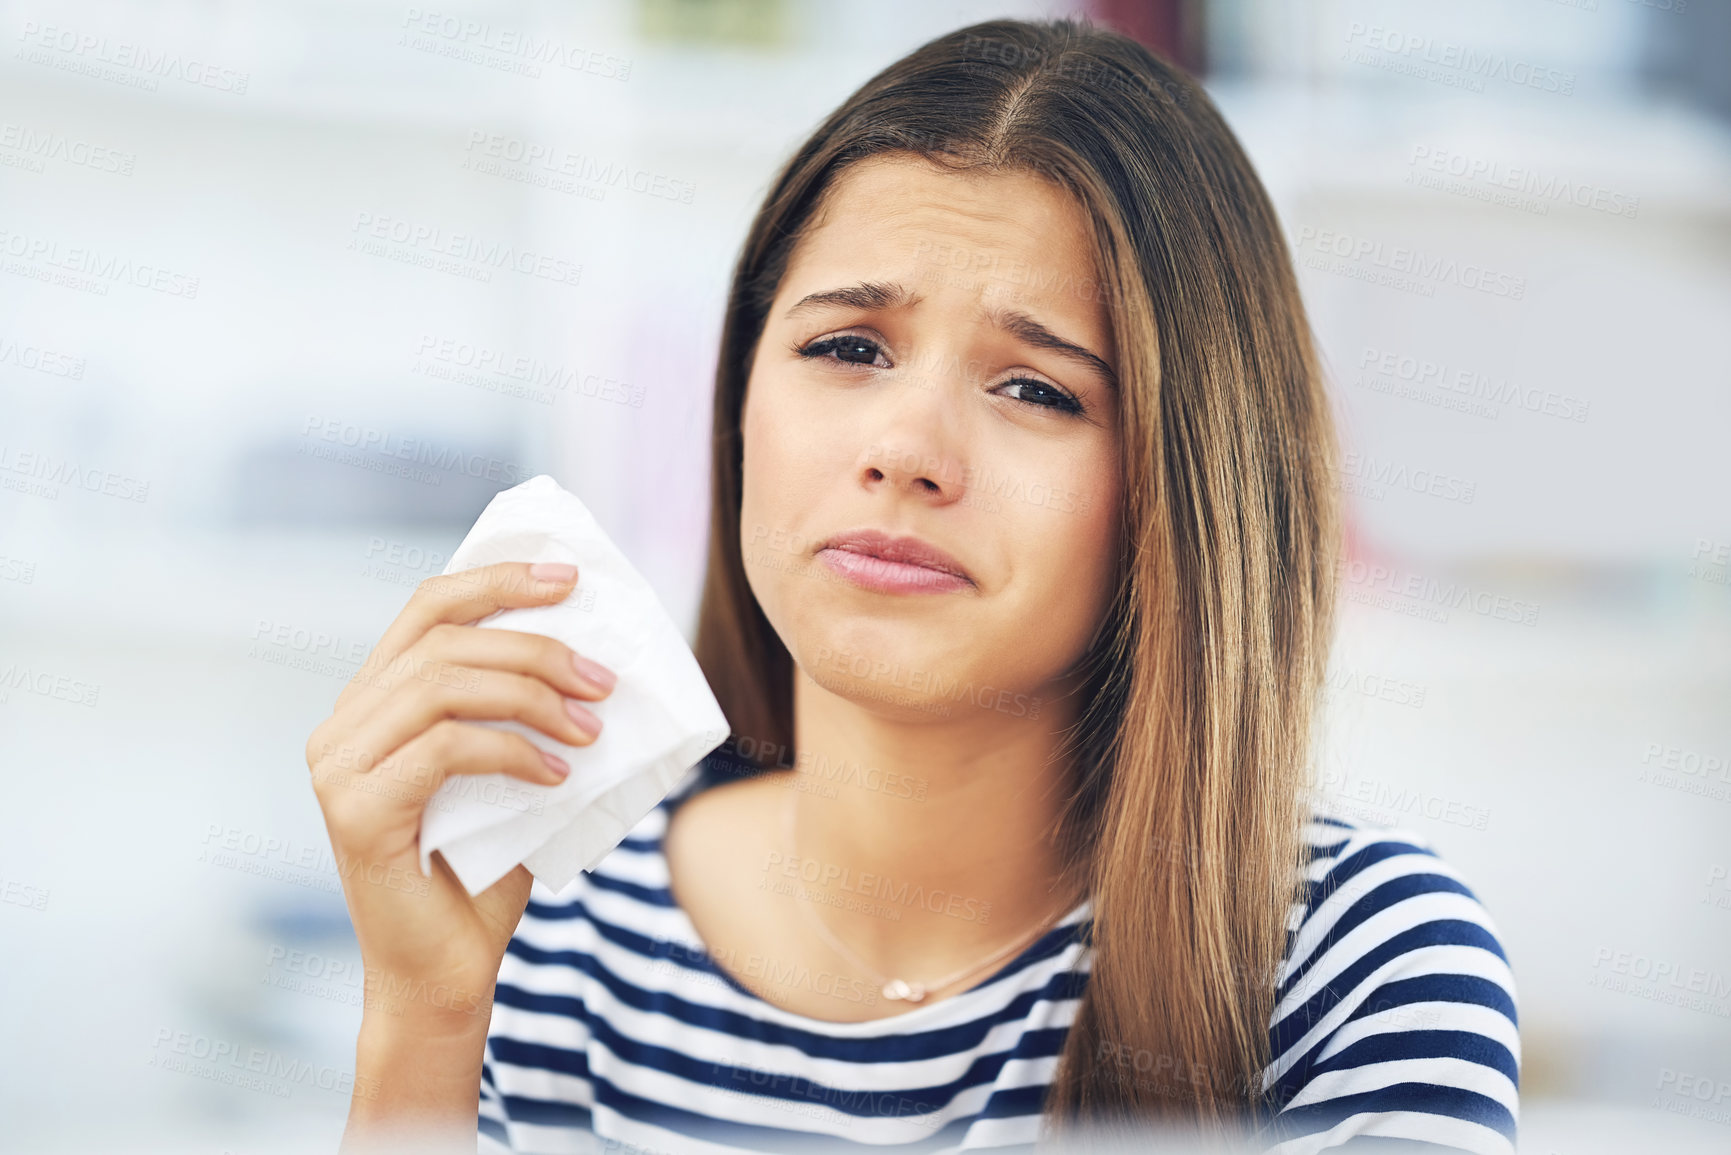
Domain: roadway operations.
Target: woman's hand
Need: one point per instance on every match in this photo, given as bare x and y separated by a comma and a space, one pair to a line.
401, 727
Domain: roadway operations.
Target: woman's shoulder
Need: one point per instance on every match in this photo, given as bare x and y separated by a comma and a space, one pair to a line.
1380, 899
1358, 872
1395, 1011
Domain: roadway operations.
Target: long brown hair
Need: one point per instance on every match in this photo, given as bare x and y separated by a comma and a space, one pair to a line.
1187, 761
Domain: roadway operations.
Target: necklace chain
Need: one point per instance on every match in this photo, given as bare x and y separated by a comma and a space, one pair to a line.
896, 988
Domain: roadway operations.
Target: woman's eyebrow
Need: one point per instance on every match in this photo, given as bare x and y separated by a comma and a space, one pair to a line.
865, 295
1031, 332
875, 295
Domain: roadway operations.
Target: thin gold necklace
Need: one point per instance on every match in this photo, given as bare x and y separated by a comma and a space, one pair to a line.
896, 989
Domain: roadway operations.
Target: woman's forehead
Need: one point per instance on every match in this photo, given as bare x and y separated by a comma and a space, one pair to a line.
901, 196
1004, 237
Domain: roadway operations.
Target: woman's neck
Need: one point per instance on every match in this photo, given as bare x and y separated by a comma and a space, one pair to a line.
933, 832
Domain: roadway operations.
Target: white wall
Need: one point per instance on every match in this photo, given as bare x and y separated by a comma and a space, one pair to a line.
1540, 729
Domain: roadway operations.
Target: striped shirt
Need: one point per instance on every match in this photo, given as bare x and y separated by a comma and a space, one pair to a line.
613, 1028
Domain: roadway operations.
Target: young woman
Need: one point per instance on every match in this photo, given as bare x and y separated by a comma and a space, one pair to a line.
1019, 591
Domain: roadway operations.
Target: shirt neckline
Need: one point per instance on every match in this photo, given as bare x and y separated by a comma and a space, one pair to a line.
920, 1016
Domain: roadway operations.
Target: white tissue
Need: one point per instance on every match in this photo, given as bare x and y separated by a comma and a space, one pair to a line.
659, 721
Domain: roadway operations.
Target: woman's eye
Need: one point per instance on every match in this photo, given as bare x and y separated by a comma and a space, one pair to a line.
1043, 394
853, 350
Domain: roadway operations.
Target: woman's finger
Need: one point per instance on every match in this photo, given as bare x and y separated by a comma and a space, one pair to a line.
457, 599
415, 706
469, 596
536, 655
413, 773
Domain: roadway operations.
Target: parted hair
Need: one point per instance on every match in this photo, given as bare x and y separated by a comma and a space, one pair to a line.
1182, 811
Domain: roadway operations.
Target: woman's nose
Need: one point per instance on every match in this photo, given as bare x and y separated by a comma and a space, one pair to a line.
905, 467
914, 444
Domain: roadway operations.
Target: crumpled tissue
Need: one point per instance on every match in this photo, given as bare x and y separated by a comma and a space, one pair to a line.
659, 721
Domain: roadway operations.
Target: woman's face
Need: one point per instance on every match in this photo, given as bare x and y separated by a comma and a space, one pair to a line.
937, 364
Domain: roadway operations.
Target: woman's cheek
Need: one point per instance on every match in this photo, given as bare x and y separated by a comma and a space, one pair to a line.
1066, 525
775, 467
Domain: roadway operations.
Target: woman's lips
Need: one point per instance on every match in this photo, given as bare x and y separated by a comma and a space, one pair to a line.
894, 577
875, 560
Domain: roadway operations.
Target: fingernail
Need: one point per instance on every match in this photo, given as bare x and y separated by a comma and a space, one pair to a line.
586, 722
555, 764
552, 571
594, 672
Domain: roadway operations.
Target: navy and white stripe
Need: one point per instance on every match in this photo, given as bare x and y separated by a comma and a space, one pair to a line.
1396, 1019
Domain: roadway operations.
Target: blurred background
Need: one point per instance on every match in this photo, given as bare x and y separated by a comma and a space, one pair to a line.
245, 406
